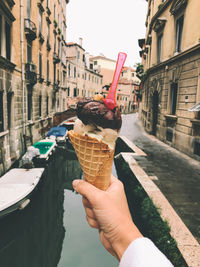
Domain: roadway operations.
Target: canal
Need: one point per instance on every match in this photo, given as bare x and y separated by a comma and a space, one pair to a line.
52, 231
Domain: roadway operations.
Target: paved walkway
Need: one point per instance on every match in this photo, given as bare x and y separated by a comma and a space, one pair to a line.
176, 175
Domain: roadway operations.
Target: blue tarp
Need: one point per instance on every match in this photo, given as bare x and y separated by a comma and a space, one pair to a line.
57, 131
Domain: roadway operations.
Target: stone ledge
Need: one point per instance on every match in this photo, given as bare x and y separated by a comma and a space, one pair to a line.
132, 146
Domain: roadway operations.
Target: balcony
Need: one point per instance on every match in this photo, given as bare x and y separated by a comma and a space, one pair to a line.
30, 30
39, 4
31, 73
40, 78
56, 86
48, 11
56, 58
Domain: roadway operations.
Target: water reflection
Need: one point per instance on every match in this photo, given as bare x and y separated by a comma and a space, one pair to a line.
33, 237
71, 168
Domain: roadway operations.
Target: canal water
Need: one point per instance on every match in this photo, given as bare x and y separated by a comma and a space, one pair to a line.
52, 231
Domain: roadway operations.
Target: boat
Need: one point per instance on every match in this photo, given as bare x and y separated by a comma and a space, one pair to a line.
16, 187
58, 133
46, 148
69, 124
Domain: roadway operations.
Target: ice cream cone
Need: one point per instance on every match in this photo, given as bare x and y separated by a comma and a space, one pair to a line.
95, 158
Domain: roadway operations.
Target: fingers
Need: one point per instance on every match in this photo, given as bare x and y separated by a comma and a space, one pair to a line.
86, 203
90, 213
88, 191
92, 223
115, 184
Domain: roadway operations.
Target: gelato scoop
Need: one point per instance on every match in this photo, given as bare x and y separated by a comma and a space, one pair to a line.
94, 112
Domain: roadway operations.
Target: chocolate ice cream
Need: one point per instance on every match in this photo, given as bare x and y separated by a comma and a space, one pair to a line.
95, 112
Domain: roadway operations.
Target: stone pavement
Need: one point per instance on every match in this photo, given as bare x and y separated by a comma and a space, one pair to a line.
175, 174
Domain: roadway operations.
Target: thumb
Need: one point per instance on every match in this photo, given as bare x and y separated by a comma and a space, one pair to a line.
87, 190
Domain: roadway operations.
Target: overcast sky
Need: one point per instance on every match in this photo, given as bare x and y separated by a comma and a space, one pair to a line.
108, 26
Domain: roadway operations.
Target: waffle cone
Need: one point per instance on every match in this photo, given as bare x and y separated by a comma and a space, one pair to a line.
95, 158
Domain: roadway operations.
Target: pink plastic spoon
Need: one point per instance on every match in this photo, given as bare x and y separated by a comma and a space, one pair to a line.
110, 100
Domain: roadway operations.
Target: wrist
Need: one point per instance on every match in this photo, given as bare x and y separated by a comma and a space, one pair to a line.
126, 236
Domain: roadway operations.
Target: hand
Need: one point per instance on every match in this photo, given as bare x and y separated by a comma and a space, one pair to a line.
108, 212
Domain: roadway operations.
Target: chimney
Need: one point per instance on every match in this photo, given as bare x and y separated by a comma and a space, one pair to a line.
80, 41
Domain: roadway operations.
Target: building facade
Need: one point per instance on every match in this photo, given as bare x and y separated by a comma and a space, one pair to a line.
128, 85
82, 79
32, 72
127, 95
170, 54
105, 67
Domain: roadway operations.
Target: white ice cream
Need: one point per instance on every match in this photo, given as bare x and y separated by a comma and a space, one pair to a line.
107, 135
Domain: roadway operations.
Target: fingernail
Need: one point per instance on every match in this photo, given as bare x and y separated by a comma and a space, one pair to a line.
75, 183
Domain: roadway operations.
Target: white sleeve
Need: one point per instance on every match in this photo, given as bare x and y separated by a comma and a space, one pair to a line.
143, 253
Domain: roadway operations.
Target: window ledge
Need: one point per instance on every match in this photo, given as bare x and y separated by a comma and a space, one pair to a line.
171, 117
3, 133
6, 63
30, 123
195, 121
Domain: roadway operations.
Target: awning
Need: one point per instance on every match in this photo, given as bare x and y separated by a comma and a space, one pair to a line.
196, 107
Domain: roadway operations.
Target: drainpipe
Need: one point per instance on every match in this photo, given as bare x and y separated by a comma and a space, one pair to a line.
22, 66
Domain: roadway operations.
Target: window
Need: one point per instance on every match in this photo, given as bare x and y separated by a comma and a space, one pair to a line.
29, 52
1, 111
179, 31
58, 48
78, 54
133, 74
47, 70
75, 92
95, 62
29, 105
47, 105
54, 73
159, 47
40, 65
173, 98
48, 33
8, 40
58, 75
40, 106
9, 106
74, 72
5, 36
83, 58
54, 43
64, 78
0, 33
68, 91
28, 8
69, 70
40, 22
